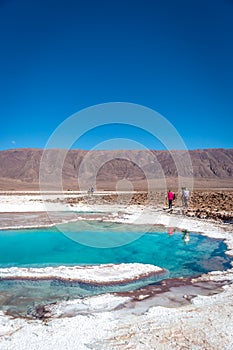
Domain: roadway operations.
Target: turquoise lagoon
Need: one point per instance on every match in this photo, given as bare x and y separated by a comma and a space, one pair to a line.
50, 247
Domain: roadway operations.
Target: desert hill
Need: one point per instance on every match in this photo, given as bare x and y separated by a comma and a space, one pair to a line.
19, 168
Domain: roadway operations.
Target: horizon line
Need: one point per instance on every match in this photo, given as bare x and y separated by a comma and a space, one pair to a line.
107, 150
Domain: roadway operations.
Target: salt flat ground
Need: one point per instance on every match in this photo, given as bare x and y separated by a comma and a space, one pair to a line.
111, 321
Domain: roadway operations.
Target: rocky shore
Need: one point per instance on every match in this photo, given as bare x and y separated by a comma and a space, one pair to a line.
212, 205
216, 205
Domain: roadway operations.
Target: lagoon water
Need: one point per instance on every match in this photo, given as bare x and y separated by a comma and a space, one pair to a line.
105, 243
50, 247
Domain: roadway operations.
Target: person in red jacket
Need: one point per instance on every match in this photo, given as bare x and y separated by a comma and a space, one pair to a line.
170, 197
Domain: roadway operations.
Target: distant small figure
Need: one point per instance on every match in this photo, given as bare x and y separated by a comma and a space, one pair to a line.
170, 197
185, 197
186, 236
92, 190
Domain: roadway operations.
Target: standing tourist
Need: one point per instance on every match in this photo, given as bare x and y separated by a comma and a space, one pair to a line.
185, 197
170, 197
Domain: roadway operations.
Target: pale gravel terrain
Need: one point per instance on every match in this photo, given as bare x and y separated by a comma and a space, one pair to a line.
204, 322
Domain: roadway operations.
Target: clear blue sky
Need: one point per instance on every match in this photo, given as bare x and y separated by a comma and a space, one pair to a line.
58, 57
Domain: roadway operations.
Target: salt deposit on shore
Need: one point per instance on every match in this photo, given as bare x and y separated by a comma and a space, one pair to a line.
34, 202
98, 274
204, 322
